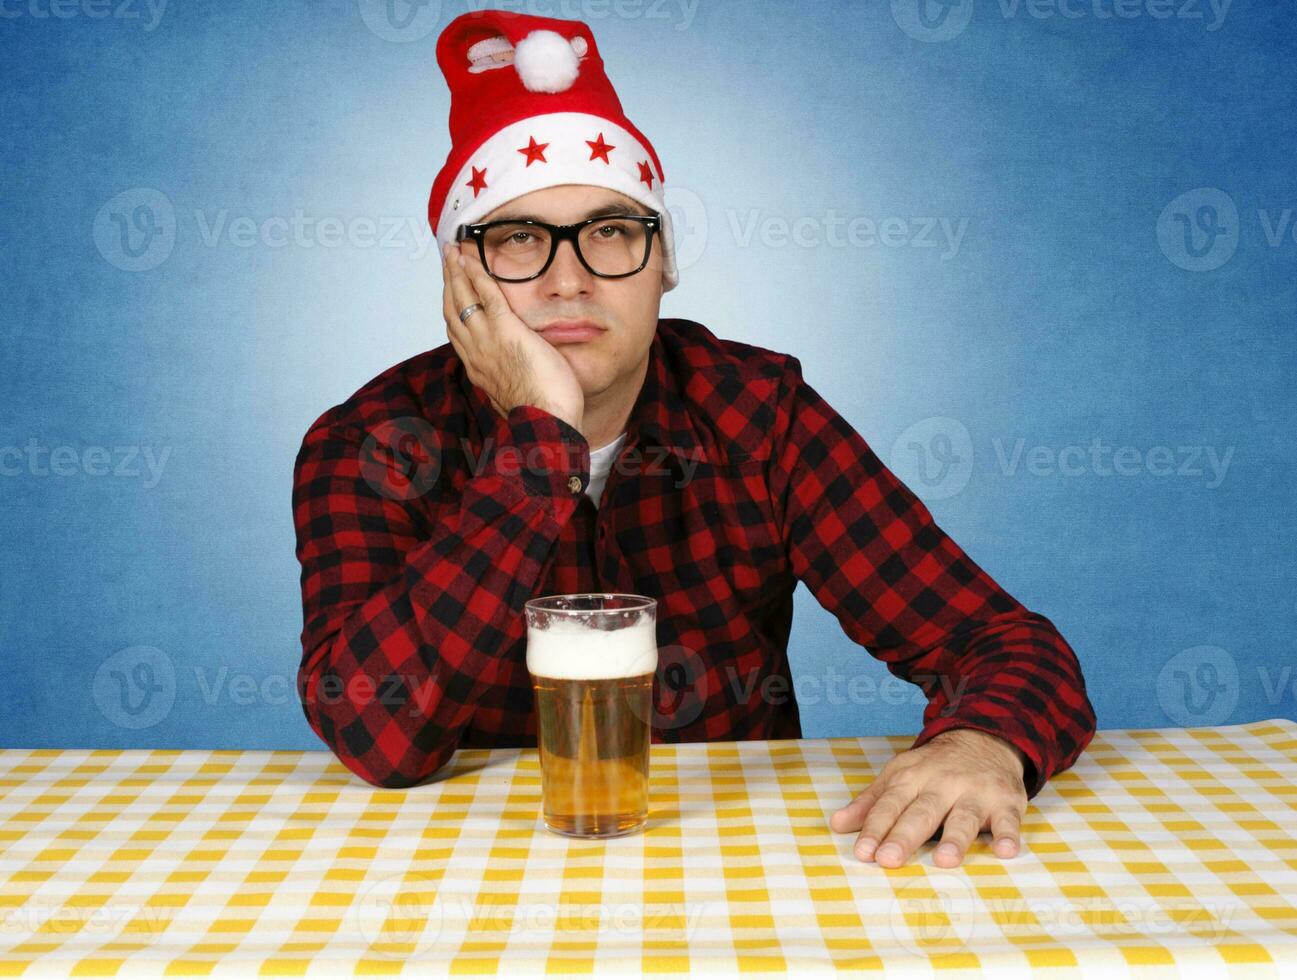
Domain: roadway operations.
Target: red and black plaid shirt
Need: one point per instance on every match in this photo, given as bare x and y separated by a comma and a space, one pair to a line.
425, 520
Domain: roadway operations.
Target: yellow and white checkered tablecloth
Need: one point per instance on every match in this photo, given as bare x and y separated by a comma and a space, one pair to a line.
1162, 852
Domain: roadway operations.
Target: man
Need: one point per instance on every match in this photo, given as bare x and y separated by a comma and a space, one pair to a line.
568, 440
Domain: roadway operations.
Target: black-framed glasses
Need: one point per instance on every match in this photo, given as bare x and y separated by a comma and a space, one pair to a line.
610, 246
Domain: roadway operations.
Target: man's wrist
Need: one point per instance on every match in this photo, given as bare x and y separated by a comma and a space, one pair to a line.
976, 735
560, 412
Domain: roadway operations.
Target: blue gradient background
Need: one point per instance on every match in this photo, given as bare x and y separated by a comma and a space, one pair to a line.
1061, 316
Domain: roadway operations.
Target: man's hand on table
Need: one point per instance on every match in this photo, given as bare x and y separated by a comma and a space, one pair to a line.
964, 778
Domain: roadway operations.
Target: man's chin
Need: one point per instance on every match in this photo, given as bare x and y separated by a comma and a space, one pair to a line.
585, 352
591, 374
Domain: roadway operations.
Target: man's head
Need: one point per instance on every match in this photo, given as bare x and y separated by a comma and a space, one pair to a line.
534, 120
626, 308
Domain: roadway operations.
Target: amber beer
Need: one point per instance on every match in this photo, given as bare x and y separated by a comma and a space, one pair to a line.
592, 658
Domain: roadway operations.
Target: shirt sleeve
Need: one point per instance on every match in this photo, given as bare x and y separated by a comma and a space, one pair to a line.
872, 555
406, 616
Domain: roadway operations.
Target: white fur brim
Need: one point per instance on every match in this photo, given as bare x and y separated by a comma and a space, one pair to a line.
567, 161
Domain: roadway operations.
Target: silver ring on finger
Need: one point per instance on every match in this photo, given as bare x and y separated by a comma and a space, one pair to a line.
468, 311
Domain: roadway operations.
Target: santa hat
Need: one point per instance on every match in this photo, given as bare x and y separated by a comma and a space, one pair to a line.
531, 107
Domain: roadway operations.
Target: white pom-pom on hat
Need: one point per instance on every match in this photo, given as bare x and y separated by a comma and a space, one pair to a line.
546, 62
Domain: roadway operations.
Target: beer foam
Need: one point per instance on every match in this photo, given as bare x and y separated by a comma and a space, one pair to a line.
567, 650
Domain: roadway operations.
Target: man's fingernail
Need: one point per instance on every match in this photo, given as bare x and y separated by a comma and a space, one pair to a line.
865, 846
948, 850
460, 257
889, 851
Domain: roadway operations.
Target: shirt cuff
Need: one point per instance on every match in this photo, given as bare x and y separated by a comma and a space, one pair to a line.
551, 456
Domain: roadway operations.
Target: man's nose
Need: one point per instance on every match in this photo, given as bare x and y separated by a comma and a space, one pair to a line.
566, 276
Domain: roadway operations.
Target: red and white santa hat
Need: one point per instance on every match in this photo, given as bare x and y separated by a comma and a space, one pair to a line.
531, 107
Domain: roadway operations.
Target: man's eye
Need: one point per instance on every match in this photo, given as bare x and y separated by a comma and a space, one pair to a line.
614, 228
518, 236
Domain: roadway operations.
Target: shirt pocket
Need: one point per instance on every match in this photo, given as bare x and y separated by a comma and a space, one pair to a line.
734, 500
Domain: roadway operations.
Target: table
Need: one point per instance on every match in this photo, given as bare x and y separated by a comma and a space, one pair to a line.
1162, 852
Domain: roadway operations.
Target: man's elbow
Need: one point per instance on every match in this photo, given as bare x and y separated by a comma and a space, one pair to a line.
414, 770
428, 770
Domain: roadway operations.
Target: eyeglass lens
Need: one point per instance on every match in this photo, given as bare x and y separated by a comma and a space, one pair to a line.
612, 247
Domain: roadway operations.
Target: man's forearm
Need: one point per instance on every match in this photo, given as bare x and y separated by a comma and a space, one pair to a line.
871, 553
403, 637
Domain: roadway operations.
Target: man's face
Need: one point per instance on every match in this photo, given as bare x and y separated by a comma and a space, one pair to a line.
626, 307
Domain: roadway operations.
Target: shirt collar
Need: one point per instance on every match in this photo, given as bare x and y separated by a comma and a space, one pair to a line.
658, 418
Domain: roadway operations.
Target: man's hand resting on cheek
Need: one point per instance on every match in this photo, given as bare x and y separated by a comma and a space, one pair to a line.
503, 356
964, 778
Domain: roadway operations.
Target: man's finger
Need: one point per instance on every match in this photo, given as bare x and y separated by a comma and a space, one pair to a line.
962, 825
852, 816
464, 294
883, 813
484, 286
915, 825
459, 338
1006, 831
448, 309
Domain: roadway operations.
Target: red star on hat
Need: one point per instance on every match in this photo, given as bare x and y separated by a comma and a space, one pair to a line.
645, 174
599, 149
478, 183
535, 151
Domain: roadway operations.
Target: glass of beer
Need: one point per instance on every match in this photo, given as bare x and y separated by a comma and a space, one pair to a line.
592, 657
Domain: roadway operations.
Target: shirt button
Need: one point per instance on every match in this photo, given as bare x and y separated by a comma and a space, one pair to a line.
574, 484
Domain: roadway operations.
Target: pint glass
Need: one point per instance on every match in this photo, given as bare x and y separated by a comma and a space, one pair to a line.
592, 657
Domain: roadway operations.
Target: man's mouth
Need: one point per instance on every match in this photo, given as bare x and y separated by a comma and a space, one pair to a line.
571, 331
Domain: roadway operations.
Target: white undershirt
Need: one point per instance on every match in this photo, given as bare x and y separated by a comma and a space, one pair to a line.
601, 461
